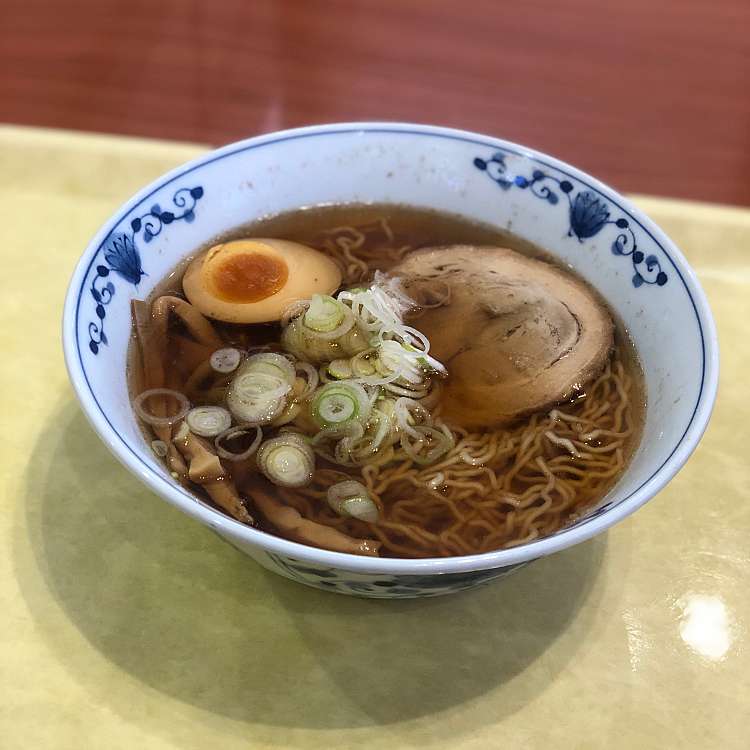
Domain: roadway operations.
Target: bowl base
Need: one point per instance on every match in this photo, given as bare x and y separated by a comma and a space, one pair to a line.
370, 585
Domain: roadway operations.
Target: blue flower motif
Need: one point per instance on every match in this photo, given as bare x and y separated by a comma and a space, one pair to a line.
588, 215
124, 258
496, 169
121, 256
330, 579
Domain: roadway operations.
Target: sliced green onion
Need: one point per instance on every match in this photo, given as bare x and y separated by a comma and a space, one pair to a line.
409, 412
381, 307
373, 395
361, 449
324, 313
353, 342
340, 369
382, 424
430, 363
380, 366
431, 444
324, 442
287, 460
344, 450
271, 363
261, 385
226, 360
403, 351
344, 326
387, 406
139, 405
399, 390
256, 411
293, 340
311, 346
208, 421
258, 393
293, 311
290, 413
336, 404
432, 398
351, 498
311, 381
232, 434
323, 375
396, 358
362, 366
353, 430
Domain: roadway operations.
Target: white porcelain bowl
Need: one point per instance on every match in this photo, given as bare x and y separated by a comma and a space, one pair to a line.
587, 225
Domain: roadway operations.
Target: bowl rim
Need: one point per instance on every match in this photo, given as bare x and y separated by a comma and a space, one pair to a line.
226, 526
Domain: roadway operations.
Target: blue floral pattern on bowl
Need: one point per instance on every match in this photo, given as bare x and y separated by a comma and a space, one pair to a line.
588, 213
376, 586
122, 257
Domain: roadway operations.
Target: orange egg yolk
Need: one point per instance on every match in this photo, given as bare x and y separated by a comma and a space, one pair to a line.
248, 277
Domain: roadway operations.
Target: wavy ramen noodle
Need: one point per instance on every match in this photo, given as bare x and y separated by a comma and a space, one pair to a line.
348, 419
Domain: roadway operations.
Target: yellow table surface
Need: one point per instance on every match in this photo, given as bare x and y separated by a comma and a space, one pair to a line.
123, 624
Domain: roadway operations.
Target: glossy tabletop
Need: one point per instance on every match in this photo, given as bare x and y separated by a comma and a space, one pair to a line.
126, 625
652, 96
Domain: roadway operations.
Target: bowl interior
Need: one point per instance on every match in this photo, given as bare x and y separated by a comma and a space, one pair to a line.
583, 223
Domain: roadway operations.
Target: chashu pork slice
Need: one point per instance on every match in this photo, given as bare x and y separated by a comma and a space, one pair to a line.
517, 335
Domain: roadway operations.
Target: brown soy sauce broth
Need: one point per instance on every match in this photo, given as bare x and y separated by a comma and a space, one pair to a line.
404, 226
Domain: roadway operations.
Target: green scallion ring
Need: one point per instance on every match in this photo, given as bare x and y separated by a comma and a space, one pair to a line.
337, 404
324, 313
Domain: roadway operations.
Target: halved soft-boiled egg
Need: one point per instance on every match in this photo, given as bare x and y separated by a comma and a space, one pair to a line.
256, 280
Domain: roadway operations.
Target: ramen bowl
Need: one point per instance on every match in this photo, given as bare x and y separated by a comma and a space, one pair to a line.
586, 225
